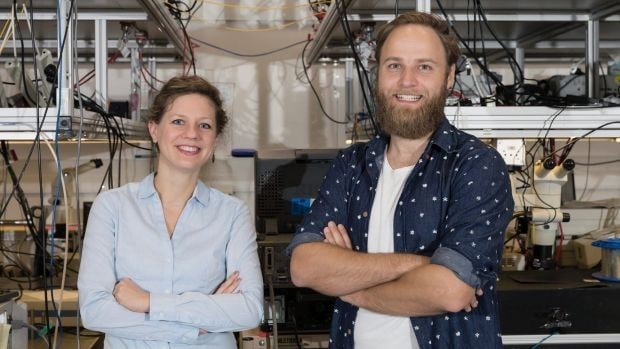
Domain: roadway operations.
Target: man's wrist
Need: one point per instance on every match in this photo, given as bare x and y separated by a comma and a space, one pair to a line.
413, 261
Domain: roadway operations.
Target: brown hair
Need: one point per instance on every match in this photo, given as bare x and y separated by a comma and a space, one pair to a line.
184, 85
438, 24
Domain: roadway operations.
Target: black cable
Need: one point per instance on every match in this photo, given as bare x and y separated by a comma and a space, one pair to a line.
177, 14
508, 52
249, 54
361, 71
316, 94
19, 194
577, 139
485, 68
16, 262
17, 27
597, 163
116, 129
585, 186
464, 42
38, 236
484, 52
553, 117
295, 331
120, 163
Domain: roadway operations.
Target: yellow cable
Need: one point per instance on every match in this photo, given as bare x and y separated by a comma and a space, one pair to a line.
6, 25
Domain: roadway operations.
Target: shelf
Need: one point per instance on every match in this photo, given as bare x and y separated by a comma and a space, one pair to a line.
557, 32
144, 28
20, 124
533, 122
549, 31
164, 37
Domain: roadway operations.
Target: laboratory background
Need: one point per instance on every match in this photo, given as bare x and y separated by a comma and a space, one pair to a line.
537, 80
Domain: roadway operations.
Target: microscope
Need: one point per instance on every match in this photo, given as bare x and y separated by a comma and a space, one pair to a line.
543, 213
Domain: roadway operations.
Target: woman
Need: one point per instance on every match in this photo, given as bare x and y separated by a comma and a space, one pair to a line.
170, 260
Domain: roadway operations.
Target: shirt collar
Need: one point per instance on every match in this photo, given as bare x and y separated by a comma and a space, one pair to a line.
147, 189
375, 153
445, 137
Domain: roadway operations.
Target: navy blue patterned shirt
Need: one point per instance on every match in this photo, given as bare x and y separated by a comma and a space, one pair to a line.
454, 208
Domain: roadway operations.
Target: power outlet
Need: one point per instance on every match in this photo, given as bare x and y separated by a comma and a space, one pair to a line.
512, 150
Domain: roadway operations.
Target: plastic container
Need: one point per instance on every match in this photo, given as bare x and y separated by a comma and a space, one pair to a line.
610, 259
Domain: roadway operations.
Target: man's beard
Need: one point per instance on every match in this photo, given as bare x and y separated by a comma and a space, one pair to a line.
407, 123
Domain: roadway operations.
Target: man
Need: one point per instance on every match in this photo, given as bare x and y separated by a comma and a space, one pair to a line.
408, 229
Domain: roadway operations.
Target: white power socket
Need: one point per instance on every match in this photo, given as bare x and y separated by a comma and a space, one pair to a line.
512, 150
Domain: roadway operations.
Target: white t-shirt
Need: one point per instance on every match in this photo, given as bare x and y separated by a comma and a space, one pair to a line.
374, 330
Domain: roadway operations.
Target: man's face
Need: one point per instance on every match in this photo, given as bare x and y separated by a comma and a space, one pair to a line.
412, 82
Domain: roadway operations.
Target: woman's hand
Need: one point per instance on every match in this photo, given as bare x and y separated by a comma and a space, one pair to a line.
128, 294
230, 285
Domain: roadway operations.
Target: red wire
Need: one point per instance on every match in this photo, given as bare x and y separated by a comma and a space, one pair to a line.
147, 81
87, 77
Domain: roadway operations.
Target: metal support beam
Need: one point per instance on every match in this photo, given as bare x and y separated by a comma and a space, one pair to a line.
536, 37
348, 87
85, 15
152, 66
605, 11
423, 6
326, 29
520, 60
101, 63
592, 58
167, 25
135, 88
64, 94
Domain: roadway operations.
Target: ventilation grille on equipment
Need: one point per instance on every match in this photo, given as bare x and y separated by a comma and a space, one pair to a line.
270, 201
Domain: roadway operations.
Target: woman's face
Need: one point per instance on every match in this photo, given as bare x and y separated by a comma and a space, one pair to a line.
186, 134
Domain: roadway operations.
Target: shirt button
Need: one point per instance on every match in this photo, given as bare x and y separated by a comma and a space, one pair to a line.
161, 314
168, 259
167, 291
365, 213
426, 156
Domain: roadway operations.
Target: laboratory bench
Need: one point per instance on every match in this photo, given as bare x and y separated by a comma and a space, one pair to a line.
580, 311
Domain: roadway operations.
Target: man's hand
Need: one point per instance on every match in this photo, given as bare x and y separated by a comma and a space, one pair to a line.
230, 285
131, 296
474, 300
337, 235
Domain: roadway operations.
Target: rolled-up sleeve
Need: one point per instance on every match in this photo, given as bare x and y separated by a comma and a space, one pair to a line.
481, 207
459, 264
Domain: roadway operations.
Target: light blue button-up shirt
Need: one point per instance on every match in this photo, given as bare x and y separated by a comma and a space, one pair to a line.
127, 238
